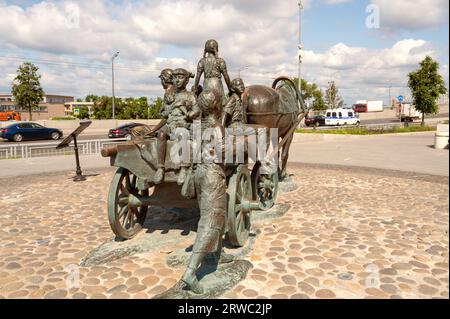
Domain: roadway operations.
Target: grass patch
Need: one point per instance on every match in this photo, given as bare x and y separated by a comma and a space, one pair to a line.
367, 131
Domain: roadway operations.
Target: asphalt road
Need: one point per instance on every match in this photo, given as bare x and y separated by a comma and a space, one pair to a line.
80, 137
363, 122
394, 120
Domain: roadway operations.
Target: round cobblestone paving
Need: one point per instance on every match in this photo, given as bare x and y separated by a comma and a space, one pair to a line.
350, 233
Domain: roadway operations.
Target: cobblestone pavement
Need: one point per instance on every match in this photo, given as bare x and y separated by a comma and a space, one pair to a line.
351, 233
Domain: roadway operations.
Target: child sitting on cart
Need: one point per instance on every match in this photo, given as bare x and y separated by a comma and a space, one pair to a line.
180, 110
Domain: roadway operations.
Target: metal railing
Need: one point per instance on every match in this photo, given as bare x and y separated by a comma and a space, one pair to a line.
23, 150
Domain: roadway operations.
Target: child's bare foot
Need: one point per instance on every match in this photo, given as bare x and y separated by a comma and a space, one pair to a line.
192, 283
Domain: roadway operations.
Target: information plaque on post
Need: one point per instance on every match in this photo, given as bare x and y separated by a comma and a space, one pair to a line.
73, 137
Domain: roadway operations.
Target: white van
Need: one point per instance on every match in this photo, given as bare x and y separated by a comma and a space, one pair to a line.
336, 117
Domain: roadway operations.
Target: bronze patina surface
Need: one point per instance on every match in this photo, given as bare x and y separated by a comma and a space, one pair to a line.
225, 194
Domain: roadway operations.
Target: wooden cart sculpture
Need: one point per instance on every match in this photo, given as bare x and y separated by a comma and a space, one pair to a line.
132, 191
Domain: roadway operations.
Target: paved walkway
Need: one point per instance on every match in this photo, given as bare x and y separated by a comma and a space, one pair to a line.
350, 233
403, 152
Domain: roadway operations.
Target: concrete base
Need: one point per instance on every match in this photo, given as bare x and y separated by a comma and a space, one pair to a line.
162, 229
287, 185
441, 137
441, 142
215, 280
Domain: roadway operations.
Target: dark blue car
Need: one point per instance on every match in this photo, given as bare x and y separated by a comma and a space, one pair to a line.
29, 131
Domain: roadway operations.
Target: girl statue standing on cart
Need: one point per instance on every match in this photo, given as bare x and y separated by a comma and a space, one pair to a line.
213, 67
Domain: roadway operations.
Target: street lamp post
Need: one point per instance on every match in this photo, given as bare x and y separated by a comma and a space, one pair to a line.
300, 8
115, 55
390, 99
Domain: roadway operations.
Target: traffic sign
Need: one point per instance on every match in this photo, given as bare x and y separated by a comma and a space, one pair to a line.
400, 98
76, 111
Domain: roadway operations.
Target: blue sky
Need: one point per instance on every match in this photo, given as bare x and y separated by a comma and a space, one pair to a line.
324, 25
261, 34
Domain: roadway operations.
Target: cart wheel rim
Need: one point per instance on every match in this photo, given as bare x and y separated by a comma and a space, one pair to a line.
265, 187
125, 221
238, 218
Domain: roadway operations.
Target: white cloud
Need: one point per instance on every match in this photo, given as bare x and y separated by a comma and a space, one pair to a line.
367, 73
412, 15
152, 35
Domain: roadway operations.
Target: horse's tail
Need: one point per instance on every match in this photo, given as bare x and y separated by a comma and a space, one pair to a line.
301, 103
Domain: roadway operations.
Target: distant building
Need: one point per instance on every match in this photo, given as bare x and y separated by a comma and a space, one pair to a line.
52, 105
70, 106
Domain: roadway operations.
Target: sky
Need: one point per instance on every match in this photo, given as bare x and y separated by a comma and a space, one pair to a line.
365, 46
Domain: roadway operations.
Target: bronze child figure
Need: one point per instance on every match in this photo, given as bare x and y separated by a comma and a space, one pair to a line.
213, 67
211, 188
233, 115
179, 113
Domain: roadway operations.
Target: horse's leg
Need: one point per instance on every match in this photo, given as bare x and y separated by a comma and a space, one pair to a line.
285, 155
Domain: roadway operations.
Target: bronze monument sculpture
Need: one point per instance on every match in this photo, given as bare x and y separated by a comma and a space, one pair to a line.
226, 193
180, 108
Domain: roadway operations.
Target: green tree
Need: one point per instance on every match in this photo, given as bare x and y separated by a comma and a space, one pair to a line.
332, 99
426, 85
155, 107
83, 114
125, 109
311, 94
91, 98
26, 89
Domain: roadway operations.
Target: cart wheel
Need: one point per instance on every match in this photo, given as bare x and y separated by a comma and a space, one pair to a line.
125, 221
265, 187
238, 218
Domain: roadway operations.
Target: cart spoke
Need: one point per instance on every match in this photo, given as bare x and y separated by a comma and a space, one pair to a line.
123, 200
128, 182
239, 223
124, 189
122, 211
238, 196
123, 214
130, 218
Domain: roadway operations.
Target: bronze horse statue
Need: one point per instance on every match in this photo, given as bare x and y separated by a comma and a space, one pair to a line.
280, 106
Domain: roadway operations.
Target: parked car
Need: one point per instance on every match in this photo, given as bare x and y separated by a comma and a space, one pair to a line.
341, 117
317, 120
29, 131
123, 130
